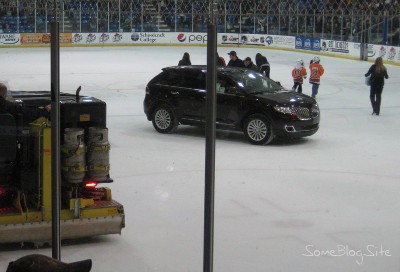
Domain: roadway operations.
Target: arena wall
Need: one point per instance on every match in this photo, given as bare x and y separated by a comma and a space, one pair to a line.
344, 49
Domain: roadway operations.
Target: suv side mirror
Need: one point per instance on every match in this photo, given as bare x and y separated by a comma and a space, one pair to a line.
233, 90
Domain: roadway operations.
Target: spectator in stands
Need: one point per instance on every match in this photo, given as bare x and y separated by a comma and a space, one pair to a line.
249, 64
28, 114
263, 65
234, 60
185, 60
378, 74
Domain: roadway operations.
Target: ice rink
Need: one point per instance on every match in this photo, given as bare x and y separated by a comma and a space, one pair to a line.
329, 202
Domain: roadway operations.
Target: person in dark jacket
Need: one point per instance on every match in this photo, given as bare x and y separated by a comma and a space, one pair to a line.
28, 114
249, 64
378, 74
234, 60
263, 65
185, 60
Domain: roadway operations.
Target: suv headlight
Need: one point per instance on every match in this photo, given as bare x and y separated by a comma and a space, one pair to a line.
284, 110
287, 110
315, 110
297, 112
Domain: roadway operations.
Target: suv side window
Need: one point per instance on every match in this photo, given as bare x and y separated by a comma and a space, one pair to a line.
169, 77
223, 84
194, 80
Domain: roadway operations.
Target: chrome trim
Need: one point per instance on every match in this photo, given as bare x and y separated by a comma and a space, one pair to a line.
290, 129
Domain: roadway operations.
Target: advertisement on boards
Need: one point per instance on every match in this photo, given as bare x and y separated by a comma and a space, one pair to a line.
43, 38
228, 38
252, 39
340, 47
257, 40
304, 43
9, 39
389, 53
190, 38
280, 41
100, 38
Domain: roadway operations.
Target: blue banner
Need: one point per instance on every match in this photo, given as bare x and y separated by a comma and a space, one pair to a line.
305, 43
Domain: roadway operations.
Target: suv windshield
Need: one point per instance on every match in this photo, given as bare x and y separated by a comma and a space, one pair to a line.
253, 82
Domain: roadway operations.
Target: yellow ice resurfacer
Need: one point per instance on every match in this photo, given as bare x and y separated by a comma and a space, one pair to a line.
25, 172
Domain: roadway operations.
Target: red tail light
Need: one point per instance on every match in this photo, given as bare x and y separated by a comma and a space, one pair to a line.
2, 192
91, 184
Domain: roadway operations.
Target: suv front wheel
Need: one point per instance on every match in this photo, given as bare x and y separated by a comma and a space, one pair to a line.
164, 119
258, 130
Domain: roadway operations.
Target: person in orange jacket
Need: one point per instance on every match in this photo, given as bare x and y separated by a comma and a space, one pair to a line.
316, 71
299, 73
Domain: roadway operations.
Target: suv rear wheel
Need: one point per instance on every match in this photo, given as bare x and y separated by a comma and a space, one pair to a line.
164, 119
258, 130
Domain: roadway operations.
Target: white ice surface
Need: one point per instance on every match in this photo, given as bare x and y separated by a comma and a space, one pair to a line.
274, 204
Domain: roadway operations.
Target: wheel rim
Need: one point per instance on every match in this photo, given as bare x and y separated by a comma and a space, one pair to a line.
162, 119
257, 130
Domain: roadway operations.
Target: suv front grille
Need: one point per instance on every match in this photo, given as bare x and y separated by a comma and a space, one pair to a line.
305, 113
302, 113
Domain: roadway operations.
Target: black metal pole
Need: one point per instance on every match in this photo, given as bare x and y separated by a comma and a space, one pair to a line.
55, 141
210, 149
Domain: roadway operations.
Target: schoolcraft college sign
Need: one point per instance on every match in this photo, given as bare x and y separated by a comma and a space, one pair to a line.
9, 39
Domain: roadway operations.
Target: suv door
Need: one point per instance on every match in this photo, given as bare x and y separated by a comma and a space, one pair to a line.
190, 95
229, 103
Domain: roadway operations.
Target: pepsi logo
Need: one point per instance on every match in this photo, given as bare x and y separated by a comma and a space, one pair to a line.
181, 37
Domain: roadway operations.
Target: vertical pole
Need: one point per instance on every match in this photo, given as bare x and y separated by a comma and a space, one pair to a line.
18, 18
35, 16
159, 16
385, 29
254, 17
119, 15
80, 17
313, 29
332, 25
323, 23
289, 21
97, 16
225, 19
142, 18
55, 137
45, 20
297, 19
240, 17
62, 15
210, 144
192, 16
131, 29
305, 23
175, 18
341, 27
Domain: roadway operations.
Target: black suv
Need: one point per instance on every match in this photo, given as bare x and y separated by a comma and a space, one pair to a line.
246, 101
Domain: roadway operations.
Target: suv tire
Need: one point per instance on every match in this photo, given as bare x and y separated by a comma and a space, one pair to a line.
164, 119
258, 130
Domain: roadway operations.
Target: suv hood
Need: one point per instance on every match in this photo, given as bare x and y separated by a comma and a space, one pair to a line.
287, 97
